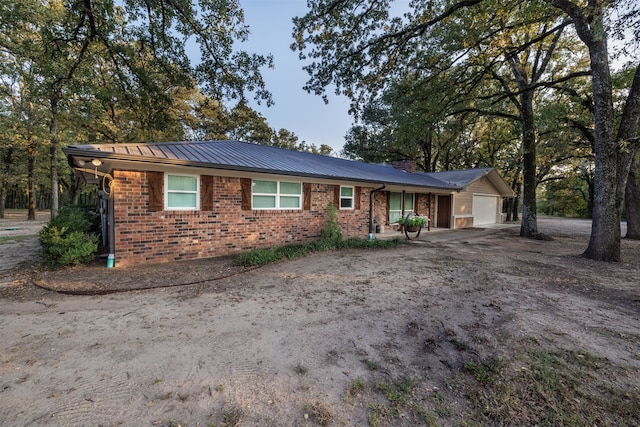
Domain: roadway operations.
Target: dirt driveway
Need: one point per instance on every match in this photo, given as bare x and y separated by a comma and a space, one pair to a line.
454, 332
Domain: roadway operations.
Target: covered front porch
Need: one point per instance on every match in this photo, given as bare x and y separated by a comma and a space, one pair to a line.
435, 234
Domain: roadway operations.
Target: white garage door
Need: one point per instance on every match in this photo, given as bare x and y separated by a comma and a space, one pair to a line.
485, 210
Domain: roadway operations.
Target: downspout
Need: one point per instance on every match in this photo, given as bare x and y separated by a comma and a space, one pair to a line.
108, 187
112, 232
371, 209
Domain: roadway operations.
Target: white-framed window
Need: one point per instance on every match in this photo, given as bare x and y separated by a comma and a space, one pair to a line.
276, 194
347, 197
182, 192
395, 206
408, 203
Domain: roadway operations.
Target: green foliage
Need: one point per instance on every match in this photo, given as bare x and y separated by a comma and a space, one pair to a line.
258, 257
371, 365
331, 231
113, 71
330, 239
76, 219
485, 371
556, 388
68, 238
398, 391
413, 221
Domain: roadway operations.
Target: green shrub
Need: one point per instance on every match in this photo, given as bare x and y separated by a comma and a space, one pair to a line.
331, 231
68, 239
330, 240
76, 219
266, 256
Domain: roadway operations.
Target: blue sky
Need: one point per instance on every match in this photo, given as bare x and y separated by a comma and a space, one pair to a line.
302, 113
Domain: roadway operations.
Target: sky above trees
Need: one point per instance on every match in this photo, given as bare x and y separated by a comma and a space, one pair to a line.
304, 114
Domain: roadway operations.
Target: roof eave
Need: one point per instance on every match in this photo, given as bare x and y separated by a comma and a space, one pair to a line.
71, 151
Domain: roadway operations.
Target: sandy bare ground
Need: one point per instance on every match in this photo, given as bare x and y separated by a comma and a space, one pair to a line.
315, 340
19, 244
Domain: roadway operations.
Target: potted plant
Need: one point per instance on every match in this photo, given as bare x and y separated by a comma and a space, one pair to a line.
413, 224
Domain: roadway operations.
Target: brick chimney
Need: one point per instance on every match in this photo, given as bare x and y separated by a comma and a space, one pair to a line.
406, 165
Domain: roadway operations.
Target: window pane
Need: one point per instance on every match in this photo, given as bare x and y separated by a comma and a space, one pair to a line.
182, 183
289, 202
181, 200
261, 202
408, 202
395, 201
394, 216
265, 187
290, 188
346, 191
346, 203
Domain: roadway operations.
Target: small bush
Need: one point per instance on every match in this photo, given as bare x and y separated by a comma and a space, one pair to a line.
258, 257
68, 239
330, 240
331, 231
76, 219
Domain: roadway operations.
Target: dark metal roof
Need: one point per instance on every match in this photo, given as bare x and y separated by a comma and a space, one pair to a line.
244, 156
461, 178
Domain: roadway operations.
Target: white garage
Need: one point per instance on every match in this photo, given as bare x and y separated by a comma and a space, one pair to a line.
480, 201
485, 209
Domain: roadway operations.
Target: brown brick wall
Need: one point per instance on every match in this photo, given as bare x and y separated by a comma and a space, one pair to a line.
143, 236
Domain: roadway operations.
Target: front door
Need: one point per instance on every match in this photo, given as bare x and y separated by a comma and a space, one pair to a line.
444, 212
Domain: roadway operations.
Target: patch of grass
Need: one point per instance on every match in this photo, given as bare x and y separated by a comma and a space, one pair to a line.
426, 416
442, 409
377, 414
219, 388
485, 371
156, 381
397, 391
371, 365
358, 384
183, 397
355, 390
319, 412
300, 369
557, 388
459, 345
232, 418
397, 394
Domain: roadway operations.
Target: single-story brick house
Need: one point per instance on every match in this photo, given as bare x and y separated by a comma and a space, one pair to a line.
187, 200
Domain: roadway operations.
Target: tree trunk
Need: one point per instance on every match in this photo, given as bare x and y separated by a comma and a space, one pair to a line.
53, 157
4, 175
31, 186
508, 206
632, 196
3, 195
529, 224
516, 207
604, 244
629, 158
